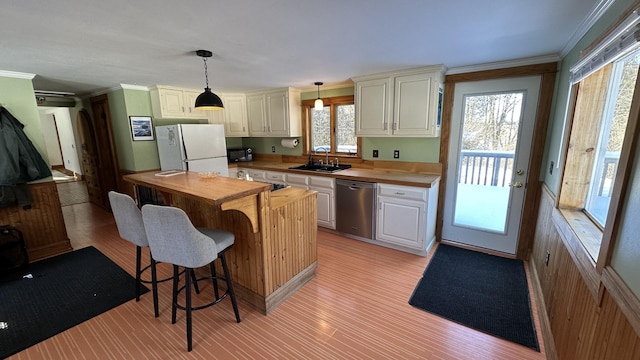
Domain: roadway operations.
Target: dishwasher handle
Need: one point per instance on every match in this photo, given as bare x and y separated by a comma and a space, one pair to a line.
355, 185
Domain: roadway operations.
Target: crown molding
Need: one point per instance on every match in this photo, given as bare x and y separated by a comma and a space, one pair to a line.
596, 13
504, 64
17, 75
134, 87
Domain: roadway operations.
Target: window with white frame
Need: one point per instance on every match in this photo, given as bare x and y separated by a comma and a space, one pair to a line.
603, 89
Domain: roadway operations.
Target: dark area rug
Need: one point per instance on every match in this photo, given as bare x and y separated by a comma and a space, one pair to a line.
485, 292
55, 294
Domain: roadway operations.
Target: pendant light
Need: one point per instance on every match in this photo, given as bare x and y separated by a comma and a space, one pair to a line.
207, 100
318, 105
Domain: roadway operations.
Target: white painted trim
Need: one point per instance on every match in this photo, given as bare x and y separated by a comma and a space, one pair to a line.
595, 14
344, 84
17, 75
134, 87
504, 64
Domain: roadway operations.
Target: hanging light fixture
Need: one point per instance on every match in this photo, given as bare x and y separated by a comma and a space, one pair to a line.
318, 105
207, 100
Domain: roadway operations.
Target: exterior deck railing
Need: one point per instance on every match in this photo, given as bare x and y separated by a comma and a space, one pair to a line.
495, 168
609, 169
481, 167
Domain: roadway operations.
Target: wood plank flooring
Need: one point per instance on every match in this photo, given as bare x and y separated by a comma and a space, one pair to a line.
355, 308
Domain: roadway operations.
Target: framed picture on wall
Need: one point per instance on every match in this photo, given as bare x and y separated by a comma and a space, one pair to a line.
141, 128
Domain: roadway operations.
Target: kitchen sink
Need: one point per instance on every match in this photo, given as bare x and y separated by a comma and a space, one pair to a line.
320, 167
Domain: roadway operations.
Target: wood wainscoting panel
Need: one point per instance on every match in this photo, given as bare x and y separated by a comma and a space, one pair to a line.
42, 226
293, 244
581, 328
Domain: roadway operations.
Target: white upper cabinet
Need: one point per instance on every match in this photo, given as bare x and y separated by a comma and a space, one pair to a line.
175, 103
274, 113
405, 103
233, 116
257, 115
373, 104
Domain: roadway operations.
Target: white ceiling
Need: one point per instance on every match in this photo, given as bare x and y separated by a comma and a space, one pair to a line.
89, 46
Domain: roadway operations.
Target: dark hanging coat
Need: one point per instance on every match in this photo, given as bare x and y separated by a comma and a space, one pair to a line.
20, 162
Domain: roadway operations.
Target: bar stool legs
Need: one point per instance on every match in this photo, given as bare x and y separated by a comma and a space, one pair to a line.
139, 280
191, 280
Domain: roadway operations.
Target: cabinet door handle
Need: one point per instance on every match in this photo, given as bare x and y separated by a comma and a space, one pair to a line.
400, 193
385, 125
394, 126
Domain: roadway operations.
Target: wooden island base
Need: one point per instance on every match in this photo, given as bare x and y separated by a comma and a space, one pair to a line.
275, 250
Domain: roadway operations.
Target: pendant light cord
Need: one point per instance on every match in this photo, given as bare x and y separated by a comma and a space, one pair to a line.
206, 74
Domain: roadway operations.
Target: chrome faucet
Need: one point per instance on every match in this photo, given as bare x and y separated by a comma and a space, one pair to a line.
326, 153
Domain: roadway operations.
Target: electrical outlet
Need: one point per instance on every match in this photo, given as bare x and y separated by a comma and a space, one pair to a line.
375, 153
546, 259
396, 154
273, 148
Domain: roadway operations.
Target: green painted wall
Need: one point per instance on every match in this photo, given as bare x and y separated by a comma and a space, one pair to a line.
411, 149
145, 153
16, 95
120, 127
263, 146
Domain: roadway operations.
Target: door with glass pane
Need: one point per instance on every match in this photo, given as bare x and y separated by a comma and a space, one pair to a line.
490, 142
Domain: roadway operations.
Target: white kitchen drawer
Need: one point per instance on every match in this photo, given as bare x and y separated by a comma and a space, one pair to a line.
274, 176
257, 174
403, 192
296, 180
323, 182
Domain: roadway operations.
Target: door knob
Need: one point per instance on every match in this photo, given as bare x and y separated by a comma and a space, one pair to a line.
516, 184
520, 172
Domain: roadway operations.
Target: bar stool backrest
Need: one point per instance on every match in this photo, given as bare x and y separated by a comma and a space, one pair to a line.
128, 218
174, 239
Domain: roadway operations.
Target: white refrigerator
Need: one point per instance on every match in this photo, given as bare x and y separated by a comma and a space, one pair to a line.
193, 147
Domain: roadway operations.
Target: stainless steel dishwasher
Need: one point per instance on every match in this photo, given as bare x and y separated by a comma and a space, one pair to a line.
355, 208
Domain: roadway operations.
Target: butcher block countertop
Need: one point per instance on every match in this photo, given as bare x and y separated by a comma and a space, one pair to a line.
389, 176
213, 191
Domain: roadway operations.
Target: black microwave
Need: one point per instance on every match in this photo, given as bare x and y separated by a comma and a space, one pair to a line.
240, 155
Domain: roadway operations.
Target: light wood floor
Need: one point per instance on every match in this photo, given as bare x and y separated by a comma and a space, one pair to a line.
355, 308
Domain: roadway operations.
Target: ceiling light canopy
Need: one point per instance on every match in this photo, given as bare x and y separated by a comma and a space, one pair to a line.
207, 100
318, 105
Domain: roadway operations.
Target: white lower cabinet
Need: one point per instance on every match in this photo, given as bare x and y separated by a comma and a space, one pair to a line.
274, 177
406, 216
298, 181
257, 175
326, 188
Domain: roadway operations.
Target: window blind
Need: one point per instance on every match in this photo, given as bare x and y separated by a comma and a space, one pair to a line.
623, 39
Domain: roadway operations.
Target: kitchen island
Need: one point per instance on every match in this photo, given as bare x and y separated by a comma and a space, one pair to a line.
275, 250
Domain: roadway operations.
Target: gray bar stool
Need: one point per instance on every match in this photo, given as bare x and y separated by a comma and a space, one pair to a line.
173, 239
131, 228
